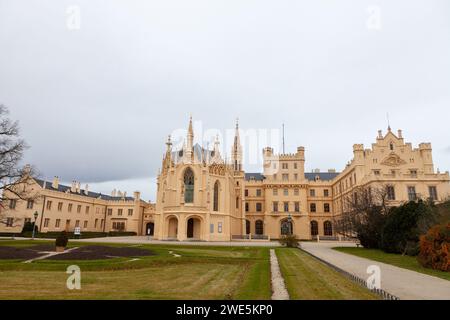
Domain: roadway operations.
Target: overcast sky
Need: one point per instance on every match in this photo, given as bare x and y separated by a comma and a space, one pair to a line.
97, 93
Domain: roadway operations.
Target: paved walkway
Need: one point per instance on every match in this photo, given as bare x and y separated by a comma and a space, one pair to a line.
279, 291
403, 283
147, 240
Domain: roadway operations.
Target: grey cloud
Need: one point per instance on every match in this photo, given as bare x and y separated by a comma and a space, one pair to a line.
97, 104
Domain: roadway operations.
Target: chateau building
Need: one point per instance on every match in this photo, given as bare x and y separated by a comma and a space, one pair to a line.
202, 196
57, 207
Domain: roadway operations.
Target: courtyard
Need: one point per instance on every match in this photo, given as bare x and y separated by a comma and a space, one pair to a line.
165, 271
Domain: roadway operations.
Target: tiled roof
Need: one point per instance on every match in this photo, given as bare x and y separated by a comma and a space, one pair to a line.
254, 176
66, 189
324, 176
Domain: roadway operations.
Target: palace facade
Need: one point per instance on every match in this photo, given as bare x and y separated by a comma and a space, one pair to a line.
201, 196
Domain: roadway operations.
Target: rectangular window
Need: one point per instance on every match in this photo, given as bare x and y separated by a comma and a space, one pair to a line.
326, 207
95, 223
258, 192
102, 222
376, 172
295, 176
69, 208
296, 192
12, 204
297, 206
433, 193
60, 206
27, 220
295, 165
49, 205
275, 176
219, 227
247, 207
9, 222
211, 228
286, 207
285, 177
326, 193
312, 207
312, 193
30, 204
275, 192
77, 223
57, 223
119, 212
286, 192
246, 192
85, 224
130, 212
87, 210
46, 222
275, 206
109, 212
97, 210
391, 193
79, 209
285, 166
258, 207
413, 173
412, 196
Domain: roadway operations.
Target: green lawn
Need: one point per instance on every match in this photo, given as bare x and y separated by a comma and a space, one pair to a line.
307, 278
200, 273
398, 260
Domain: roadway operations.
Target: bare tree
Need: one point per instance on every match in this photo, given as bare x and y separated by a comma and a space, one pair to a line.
15, 179
364, 213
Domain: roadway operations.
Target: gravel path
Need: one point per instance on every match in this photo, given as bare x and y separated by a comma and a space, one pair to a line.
279, 291
403, 283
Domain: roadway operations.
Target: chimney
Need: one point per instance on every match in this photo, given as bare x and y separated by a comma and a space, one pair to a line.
73, 187
113, 193
331, 170
380, 134
86, 190
78, 187
137, 196
316, 170
400, 134
55, 183
125, 194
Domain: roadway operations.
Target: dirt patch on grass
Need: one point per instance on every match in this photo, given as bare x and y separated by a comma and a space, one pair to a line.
102, 252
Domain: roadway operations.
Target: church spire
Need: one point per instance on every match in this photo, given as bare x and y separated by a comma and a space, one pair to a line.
190, 141
236, 153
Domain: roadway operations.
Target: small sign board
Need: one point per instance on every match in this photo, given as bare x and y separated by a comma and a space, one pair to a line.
77, 231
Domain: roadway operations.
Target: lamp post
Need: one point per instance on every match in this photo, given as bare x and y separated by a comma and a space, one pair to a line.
34, 224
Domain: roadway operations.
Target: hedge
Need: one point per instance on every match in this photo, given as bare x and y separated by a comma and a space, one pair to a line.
435, 248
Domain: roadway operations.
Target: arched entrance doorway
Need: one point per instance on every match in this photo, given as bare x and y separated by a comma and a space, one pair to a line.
247, 227
286, 227
259, 227
327, 228
193, 228
172, 228
150, 229
314, 228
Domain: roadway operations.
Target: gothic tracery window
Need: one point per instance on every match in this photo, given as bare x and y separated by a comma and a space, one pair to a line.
189, 186
216, 196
